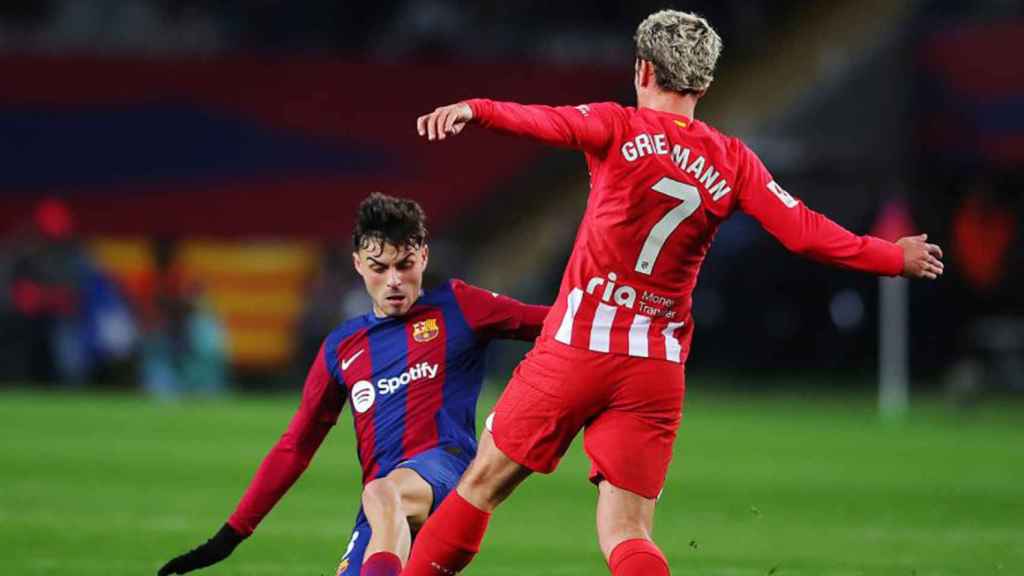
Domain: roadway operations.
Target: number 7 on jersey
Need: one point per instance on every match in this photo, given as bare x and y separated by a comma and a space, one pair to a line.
690, 201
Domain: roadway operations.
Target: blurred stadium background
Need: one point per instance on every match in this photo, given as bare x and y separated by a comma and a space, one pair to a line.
176, 198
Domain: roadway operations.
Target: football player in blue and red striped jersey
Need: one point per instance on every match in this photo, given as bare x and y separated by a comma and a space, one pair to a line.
412, 369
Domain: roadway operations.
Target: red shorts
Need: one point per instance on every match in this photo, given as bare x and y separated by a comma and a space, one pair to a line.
630, 409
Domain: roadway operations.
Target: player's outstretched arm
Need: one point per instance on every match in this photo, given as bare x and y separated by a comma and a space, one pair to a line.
813, 235
210, 552
587, 127
921, 260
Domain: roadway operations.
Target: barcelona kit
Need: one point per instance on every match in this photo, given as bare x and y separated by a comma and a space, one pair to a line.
412, 383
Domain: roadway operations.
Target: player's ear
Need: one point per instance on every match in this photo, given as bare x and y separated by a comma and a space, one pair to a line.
645, 73
426, 254
648, 73
357, 263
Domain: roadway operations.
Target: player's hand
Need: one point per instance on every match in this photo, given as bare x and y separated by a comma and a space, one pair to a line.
212, 551
920, 259
444, 121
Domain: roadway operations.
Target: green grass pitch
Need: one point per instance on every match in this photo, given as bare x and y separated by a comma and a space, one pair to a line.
761, 485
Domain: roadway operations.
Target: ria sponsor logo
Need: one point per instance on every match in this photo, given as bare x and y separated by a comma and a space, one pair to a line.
650, 304
622, 295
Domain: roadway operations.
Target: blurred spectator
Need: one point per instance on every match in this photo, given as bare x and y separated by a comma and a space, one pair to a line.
983, 231
183, 344
64, 320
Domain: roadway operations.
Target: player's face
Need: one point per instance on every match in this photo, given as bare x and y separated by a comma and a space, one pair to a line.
393, 276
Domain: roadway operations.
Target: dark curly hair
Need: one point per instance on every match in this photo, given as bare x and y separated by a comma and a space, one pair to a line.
386, 219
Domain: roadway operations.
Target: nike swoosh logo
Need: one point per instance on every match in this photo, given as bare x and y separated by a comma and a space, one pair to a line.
345, 363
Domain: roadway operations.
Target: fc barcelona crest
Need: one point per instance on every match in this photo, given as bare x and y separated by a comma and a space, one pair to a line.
425, 330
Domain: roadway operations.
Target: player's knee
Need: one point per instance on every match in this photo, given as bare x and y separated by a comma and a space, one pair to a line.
381, 497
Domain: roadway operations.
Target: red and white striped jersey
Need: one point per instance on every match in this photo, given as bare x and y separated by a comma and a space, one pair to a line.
660, 185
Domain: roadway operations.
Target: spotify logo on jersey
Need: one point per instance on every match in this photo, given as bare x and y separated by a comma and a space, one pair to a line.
363, 396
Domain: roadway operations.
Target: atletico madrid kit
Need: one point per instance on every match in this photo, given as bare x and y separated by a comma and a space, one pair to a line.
611, 354
413, 383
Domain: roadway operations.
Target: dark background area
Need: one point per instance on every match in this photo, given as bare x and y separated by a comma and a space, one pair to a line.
240, 136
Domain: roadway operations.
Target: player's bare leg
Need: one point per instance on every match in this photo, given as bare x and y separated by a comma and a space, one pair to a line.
625, 522
621, 515
391, 504
452, 535
491, 477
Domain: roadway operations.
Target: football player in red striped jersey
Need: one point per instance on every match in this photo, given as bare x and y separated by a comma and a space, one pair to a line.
611, 355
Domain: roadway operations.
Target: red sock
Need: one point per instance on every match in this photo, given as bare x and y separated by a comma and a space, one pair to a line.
448, 541
638, 557
381, 564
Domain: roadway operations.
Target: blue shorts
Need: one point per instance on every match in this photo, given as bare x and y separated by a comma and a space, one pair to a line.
440, 467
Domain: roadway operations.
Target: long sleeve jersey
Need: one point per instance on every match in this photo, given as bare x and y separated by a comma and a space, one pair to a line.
412, 381
660, 186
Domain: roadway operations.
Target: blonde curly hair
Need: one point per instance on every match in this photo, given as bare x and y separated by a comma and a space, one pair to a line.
683, 48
